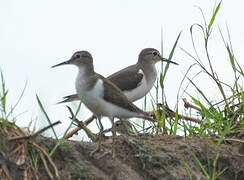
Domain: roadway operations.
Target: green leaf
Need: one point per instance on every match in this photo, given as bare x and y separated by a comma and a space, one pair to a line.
176, 121
200, 91
162, 76
200, 165
186, 168
214, 16
220, 173
4, 94
45, 113
231, 56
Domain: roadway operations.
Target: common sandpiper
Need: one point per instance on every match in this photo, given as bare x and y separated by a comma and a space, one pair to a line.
136, 80
100, 95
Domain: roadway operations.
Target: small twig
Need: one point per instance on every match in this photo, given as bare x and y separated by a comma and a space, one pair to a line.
71, 133
188, 105
234, 125
46, 166
233, 96
88, 121
75, 131
82, 125
42, 151
236, 140
170, 113
238, 104
29, 137
6, 171
190, 119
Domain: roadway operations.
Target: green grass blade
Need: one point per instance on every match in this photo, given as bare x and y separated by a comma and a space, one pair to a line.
3, 104
55, 147
188, 172
162, 76
227, 129
204, 109
3, 94
145, 107
45, 113
66, 131
20, 97
200, 165
163, 121
220, 173
175, 44
176, 121
231, 57
214, 16
185, 129
201, 92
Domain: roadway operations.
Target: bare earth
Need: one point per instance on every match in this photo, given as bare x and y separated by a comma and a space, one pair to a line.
140, 157
145, 157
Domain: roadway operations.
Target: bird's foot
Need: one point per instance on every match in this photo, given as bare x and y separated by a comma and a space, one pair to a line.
98, 149
110, 153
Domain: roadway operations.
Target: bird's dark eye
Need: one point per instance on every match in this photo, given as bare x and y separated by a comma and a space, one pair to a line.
154, 53
77, 56
117, 124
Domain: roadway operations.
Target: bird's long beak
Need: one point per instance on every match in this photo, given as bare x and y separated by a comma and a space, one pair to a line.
166, 60
62, 63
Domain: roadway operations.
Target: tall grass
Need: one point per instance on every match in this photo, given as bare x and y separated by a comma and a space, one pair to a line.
218, 118
5, 113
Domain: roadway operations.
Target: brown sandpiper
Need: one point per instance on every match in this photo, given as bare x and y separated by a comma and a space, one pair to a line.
100, 95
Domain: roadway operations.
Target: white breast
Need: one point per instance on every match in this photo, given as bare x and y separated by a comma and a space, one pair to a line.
80, 82
94, 101
144, 87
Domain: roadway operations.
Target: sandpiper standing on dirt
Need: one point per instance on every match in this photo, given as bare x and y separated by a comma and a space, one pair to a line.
100, 95
136, 80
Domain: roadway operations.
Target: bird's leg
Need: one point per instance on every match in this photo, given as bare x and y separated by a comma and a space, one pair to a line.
99, 147
114, 135
100, 134
113, 142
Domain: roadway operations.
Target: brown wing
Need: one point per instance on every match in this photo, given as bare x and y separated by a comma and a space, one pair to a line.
114, 95
128, 78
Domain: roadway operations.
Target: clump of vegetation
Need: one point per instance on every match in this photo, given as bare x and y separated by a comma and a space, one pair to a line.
20, 156
217, 121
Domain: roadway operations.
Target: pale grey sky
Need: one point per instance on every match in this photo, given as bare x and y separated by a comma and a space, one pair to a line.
34, 35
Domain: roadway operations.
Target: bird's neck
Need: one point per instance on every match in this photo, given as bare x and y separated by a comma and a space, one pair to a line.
150, 71
85, 79
86, 71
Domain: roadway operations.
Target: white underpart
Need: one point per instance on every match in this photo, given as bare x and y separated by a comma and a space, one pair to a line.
80, 82
94, 101
144, 87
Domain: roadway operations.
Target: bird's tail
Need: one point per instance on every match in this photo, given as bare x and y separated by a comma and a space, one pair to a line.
146, 116
70, 98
